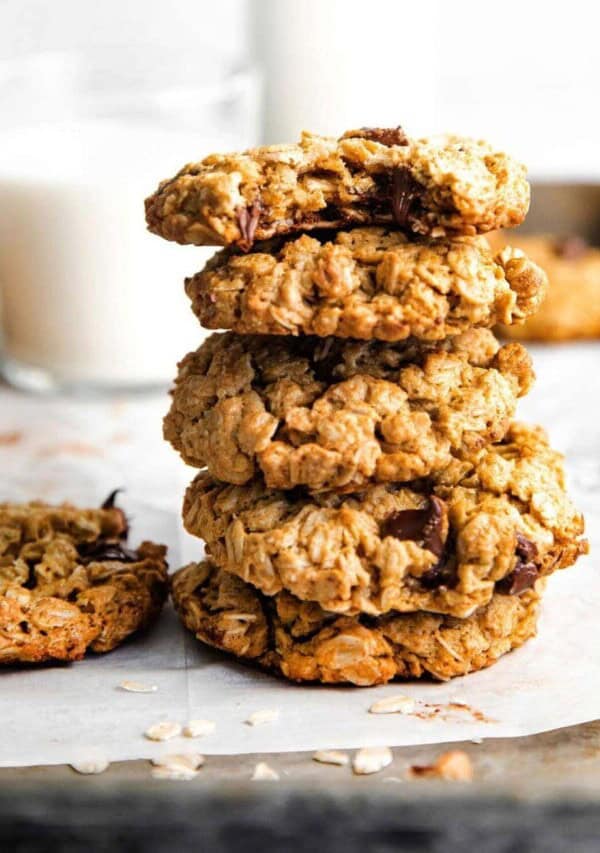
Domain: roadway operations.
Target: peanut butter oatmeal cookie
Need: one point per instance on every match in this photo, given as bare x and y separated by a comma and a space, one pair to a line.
435, 186
69, 583
366, 283
305, 643
329, 413
571, 308
495, 520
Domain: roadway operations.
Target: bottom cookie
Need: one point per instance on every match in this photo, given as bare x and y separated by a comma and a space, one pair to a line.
68, 583
305, 643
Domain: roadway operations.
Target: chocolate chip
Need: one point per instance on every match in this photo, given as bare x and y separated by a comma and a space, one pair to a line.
109, 503
525, 573
247, 218
404, 191
101, 551
523, 577
384, 135
436, 576
110, 500
570, 248
428, 527
526, 549
425, 526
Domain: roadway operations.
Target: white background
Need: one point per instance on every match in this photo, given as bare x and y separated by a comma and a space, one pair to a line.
524, 74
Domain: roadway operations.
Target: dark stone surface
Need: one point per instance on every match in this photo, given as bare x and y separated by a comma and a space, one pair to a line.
177, 818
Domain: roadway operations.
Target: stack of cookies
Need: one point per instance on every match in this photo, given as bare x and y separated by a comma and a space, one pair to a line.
369, 507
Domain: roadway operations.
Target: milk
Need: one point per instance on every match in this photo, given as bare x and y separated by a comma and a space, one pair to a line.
88, 295
333, 65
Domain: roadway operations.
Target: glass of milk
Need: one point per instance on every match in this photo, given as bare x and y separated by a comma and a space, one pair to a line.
89, 300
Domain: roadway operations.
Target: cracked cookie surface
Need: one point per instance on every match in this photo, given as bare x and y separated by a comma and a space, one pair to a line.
328, 413
366, 283
495, 521
571, 307
446, 184
68, 582
305, 643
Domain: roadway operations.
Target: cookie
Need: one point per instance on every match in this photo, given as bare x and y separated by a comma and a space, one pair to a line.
371, 176
494, 521
366, 283
571, 308
68, 583
328, 413
305, 643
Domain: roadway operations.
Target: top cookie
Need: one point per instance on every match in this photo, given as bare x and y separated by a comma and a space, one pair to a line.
68, 582
438, 186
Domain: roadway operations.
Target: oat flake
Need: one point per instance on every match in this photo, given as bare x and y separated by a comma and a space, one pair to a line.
263, 773
199, 728
331, 756
266, 715
188, 760
90, 766
163, 731
137, 687
394, 705
174, 773
371, 759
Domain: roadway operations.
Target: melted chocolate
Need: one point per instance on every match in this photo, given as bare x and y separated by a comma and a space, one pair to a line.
248, 218
384, 135
525, 573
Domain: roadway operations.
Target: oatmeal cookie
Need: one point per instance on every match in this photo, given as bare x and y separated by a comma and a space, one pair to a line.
495, 520
571, 308
69, 583
305, 643
366, 283
446, 184
329, 413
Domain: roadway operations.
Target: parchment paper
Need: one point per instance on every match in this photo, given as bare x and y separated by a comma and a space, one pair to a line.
57, 714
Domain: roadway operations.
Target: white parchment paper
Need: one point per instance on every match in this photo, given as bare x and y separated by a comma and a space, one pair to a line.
55, 714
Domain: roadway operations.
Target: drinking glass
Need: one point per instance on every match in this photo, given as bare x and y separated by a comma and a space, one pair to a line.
89, 300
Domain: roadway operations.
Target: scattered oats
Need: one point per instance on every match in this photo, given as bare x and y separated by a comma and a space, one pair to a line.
477, 740
392, 779
90, 766
262, 772
266, 715
454, 766
188, 760
138, 687
331, 756
199, 728
174, 772
394, 705
163, 731
371, 759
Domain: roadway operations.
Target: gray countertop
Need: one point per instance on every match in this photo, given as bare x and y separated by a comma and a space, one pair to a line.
535, 793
